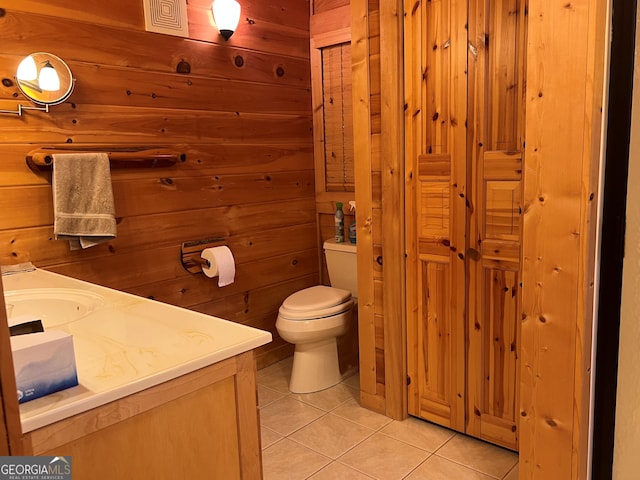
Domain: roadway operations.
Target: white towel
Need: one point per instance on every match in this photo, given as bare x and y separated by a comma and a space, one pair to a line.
83, 206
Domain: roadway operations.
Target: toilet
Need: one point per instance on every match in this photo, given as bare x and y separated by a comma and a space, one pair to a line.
312, 319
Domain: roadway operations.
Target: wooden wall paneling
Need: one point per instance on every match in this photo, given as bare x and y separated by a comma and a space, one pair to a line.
393, 221
558, 233
164, 194
275, 13
165, 283
252, 308
375, 172
242, 116
364, 213
109, 125
252, 33
201, 159
320, 6
128, 15
77, 41
36, 244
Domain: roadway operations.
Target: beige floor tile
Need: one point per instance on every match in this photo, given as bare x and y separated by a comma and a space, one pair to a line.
267, 395
288, 460
331, 435
268, 437
351, 410
274, 378
328, 399
282, 365
438, 468
418, 433
384, 458
478, 455
287, 415
337, 471
513, 474
353, 380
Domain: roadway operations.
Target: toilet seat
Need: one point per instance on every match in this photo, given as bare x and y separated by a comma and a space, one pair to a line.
316, 302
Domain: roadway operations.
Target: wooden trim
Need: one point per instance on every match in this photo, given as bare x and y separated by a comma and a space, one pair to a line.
364, 211
325, 37
248, 417
393, 221
10, 430
556, 328
318, 118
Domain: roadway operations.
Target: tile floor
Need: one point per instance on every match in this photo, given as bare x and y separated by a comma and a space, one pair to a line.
328, 436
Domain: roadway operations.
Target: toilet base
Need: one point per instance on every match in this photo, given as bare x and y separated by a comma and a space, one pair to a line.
315, 366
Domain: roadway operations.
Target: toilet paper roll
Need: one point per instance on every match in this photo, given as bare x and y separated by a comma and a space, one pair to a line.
221, 264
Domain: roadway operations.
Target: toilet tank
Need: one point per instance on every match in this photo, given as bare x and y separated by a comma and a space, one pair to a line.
342, 265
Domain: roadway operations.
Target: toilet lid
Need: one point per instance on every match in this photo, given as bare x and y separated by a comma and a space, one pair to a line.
316, 302
316, 298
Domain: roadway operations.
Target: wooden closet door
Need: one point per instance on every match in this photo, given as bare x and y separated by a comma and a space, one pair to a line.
496, 73
464, 65
435, 59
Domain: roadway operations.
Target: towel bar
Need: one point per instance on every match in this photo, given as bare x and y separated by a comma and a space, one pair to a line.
139, 157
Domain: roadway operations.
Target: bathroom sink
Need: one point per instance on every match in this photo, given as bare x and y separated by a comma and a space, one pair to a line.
54, 306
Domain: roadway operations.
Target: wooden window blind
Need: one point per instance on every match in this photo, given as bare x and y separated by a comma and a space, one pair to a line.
338, 118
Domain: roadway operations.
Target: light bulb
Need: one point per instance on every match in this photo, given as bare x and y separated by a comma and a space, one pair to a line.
48, 78
27, 69
226, 14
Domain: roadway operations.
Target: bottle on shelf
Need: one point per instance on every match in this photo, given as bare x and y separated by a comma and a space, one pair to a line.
352, 227
339, 219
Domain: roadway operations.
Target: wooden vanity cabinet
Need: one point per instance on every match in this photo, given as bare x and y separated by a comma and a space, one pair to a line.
203, 425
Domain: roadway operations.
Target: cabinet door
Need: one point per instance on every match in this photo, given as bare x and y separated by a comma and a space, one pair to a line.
435, 58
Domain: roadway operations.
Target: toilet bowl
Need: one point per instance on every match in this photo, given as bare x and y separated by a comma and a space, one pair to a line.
312, 319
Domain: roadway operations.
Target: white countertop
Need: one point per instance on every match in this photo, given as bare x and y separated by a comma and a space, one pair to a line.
123, 343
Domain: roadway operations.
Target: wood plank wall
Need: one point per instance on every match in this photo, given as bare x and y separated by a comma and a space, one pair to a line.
331, 78
242, 116
564, 116
365, 18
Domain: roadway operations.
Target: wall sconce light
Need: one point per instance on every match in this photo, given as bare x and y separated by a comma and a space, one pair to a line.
45, 80
226, 14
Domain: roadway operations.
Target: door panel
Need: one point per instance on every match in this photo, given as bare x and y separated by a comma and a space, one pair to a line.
438, 374
435, 147
496, 73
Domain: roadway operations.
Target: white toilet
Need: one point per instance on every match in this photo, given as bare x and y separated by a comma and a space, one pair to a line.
313, 318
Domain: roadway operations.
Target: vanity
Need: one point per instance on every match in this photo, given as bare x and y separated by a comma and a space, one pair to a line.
164, 392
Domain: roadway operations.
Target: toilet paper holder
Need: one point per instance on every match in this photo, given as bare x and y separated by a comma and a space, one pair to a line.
190, 253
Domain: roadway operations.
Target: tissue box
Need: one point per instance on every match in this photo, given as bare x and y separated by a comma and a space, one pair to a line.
44, 363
